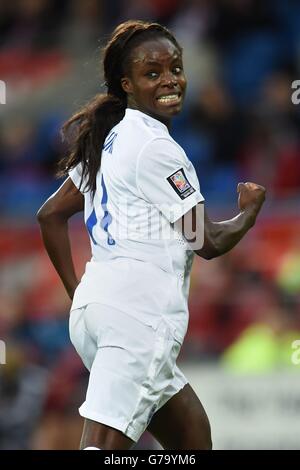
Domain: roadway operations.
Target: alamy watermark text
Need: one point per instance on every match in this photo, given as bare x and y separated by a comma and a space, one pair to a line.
2, 92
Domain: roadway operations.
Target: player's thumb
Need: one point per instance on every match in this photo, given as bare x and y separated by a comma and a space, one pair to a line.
240, 187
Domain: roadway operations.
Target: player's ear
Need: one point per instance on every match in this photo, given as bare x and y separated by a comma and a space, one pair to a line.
126, 84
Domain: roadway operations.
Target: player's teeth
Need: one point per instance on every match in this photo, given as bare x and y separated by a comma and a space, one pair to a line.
165, 99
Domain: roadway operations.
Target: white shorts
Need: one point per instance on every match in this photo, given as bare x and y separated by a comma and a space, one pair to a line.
132, 366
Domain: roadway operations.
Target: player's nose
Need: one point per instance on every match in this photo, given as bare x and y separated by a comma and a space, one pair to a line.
169, 80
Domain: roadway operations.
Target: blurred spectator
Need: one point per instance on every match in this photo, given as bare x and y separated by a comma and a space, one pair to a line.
266, 344
154, 10
83, 26
22, 393
193, 20
31, 24
237, 18
288, 274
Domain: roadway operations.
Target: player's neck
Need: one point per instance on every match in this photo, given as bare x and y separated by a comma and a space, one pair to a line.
166, 122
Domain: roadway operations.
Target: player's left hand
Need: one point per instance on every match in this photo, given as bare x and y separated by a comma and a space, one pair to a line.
251, 195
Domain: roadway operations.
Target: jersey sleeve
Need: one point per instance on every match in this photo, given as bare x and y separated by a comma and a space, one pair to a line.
166, 178
75, 175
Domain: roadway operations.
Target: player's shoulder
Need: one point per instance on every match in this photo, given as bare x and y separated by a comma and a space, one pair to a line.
162, 147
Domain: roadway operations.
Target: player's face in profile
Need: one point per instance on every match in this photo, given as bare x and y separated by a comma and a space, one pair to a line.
157, 83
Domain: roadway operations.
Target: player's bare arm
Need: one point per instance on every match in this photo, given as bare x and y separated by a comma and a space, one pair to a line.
220, 237
53, 218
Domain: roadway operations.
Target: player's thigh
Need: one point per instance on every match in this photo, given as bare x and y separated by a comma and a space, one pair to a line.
103, 437
182, 422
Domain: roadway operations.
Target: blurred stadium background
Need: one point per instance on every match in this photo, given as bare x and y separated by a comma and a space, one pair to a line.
238, 124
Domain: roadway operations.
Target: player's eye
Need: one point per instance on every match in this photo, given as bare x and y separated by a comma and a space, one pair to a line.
177, 70
152, 75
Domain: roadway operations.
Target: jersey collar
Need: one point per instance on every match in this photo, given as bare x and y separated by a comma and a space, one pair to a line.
150, 120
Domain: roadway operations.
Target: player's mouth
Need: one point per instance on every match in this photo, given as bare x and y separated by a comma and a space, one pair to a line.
169, 99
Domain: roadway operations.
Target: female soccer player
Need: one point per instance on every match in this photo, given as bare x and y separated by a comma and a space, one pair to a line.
139, 191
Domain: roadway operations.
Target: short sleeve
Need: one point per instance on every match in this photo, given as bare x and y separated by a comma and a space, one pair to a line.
167, 178
75, 175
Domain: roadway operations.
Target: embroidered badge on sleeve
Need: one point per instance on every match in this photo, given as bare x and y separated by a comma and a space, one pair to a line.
181, 184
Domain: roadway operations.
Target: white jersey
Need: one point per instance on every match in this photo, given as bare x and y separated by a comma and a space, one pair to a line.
139, 263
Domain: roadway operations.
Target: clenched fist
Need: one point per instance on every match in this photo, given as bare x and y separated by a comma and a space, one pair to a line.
251, 195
